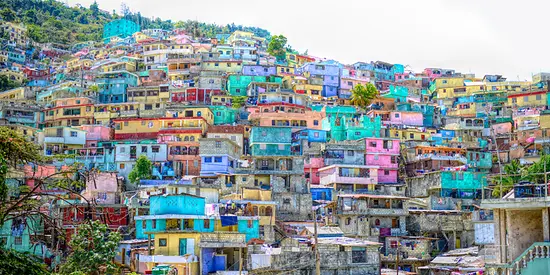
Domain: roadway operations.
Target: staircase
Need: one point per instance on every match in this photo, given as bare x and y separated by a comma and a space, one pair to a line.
532, 261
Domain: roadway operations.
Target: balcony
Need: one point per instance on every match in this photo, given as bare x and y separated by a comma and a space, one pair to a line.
375, 211
222, 239
335, 178
129, 113
105, 115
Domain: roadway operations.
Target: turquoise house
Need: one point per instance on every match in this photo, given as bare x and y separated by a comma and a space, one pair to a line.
479, 160
119, 28
224, 115
353, 128
185, 212
18, 234
113, 86
237, 84
270, 141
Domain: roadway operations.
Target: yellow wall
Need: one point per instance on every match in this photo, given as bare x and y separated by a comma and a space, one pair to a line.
544, 121
172, 242
228, 67
532, 100
206, 113
14, 94
308, 90
281, 70
406, 134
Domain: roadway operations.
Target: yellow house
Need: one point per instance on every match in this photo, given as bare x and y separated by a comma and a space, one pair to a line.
313, 91
221, 100
149, 94
139, 36
144, 128
456, 87
411, 134
528, 99
284, 70
15, 76
177, 243
515, 86
14, 94
467, 109
227, 66
119, 66
105, 112
544, 120
241, 36
70, 112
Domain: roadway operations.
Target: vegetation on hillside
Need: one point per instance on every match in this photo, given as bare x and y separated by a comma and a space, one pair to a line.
53, 21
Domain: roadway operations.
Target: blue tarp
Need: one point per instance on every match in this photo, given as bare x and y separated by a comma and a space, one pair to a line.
228, 220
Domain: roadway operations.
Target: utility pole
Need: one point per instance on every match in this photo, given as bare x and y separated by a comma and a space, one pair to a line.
397, 259
317, 256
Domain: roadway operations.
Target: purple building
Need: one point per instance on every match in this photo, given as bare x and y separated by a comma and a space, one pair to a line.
258, 70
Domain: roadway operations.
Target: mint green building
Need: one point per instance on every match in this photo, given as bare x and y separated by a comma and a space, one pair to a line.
352, 128
21, 235
224, 115
237, 84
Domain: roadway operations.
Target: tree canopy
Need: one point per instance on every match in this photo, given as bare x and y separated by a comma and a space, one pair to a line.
363, 95
277, 47
94, 248
141, 171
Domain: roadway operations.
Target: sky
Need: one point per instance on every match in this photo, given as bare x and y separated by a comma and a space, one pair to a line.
505, 37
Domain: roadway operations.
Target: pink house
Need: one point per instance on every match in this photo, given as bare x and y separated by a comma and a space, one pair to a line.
384, 153
103, 188
311, 169
33, 172
95, 133
406, 118
349, 177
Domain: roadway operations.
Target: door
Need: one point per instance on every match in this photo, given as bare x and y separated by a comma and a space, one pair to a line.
458, 245
133, 152
183, 247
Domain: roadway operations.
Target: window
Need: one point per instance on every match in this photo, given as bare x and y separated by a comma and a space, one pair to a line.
393, 159
155, 149
207, 159
357, 133
396, 115
122, 166
386, 172
206, 224
348, 221
153, 224
250, 223
125, 123
281, 146
376, 157
539, 97
218, 159
233, 138
74, 134
144, 149
18, 240
350, 153
162, 242
525, 98
411, 135
372, 144
316, 122
316, 134
143, 224
218, 144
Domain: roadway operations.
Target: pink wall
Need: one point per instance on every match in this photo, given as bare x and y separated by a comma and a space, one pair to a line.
97, 132
312, 166
391, 178
379, 148
40, 172
406, 118
384, 161
104, 182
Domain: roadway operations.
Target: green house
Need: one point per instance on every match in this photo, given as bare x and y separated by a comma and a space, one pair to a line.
237, 84
224, 115
23, 235
352, 128
270, 141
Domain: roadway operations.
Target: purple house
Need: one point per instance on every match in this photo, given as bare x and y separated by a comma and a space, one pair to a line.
384, 153
258, 70
329, 73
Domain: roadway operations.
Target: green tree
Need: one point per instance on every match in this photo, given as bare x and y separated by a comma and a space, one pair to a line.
142, 170
238, 102
93, 250
95, 9
8, 14
14, 262
363, 95
277, 47
6, 83
514, 172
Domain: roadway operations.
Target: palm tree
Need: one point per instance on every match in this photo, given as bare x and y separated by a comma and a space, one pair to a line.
363, 95
514, 172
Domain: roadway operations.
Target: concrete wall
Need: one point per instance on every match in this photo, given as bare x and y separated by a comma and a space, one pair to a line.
523, 228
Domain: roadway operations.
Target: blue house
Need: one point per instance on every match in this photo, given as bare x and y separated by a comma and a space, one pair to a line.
185, 212
218, 156
113, 86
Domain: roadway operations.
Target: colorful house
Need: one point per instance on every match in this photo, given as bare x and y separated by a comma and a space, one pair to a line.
121, 28
384, 153
218, 156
